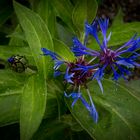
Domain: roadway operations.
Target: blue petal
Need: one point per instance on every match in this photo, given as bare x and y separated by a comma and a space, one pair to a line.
79, 49
93, 111
98, 75
58, 63
123, 71
116, 75
104, 26
68, 76
131, 41
91, 108
92, 29
74, 96
85, 103
57, 73
136, 64
53, 55
126, 63
100, 84
85, 68
133, 47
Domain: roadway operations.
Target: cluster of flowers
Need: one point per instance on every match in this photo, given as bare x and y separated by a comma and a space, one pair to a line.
79, 72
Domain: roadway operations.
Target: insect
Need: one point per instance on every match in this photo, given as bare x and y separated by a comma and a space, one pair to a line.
18, 63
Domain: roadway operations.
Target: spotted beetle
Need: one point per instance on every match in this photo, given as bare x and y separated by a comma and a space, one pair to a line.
18, 63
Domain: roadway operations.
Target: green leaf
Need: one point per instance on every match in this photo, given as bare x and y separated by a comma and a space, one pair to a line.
123, 33
65, 35
132, 85
17, 38
33, 104
63, 50
10, 102
11, 88
64, 9
36, 33
9, 107
11, 85
117, 107
10, 81
118, 19
85, 10
46, 11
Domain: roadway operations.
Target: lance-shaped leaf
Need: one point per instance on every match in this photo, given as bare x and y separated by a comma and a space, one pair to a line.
36, 33
63, 50
32, 106
33, 102
63, 9
85, 10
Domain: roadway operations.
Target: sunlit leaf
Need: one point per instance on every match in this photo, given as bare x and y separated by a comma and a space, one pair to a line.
33, 101
63, 50
36, 33
46, 11
64, 9
85, 10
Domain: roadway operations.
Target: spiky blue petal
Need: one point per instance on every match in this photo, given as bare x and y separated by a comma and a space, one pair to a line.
57, 64
58, 61
92, 29
57, 73
91, 108
79, 49
68, 76
53, 55
104, 26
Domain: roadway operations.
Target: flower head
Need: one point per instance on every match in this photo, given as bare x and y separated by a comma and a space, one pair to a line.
82, 70
106, 57
77, 74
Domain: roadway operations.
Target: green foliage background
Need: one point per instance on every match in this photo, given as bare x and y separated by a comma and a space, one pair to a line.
35, 100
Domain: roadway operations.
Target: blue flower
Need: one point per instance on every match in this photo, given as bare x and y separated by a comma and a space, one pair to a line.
106, 57
77, 74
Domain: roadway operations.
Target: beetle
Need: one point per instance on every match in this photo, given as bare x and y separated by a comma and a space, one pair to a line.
18, 63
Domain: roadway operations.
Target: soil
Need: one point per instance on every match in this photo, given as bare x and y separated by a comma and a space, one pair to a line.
130, 8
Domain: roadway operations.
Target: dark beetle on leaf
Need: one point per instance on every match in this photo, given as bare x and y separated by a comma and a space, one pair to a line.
18, 63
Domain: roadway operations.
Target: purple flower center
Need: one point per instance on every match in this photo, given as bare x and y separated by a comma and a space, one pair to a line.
107, 57
80, 76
